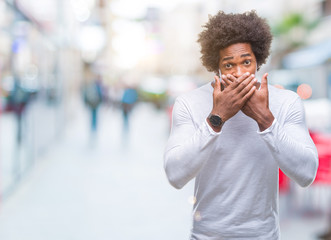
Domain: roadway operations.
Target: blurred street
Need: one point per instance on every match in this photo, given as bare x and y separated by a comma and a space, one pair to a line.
112, 188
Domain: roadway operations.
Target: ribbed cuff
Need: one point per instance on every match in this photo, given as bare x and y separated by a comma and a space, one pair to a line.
269, 129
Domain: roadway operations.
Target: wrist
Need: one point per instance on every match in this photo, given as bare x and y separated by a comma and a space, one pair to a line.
215, 121
216, 129
265, 121
220, 114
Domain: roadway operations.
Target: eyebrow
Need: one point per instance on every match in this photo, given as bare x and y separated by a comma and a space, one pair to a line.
243, 55
246, 55
227, 58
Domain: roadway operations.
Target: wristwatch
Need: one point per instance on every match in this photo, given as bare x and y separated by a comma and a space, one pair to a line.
215, 120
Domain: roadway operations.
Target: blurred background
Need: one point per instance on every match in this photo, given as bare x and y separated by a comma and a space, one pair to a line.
86, 94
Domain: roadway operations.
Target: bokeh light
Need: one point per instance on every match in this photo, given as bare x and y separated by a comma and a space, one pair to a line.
279, 86
197, 216
192, 200
304, 91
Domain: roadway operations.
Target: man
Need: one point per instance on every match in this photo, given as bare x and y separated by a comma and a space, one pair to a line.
233, 135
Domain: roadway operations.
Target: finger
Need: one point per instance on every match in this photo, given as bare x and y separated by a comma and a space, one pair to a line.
217, 86
231, 77
223, 85
249, 94
251, 81
245, 83
264, 82
237, 81
226, 81
244, 76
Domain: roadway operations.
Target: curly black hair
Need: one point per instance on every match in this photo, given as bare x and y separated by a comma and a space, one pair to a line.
223, 30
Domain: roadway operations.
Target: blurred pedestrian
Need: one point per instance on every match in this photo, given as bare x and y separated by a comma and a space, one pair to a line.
93, 96
129, 99
234, 134
18, 99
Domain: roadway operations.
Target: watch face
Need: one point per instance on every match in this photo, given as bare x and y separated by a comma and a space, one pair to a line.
215, 120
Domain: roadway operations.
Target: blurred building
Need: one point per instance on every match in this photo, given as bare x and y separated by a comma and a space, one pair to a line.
304, 61
44, 46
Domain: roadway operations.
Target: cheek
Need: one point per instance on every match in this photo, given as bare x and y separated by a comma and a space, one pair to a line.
224, 70
253, 68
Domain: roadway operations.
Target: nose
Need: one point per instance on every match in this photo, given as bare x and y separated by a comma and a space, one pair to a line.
237, 72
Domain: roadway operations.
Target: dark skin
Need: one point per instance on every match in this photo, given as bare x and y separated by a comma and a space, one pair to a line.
238, 67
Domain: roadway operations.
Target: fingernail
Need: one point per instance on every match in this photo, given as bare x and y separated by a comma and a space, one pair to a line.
223, 76
247, 74
252, 75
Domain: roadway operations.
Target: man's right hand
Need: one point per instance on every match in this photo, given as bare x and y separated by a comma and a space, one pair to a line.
228, 102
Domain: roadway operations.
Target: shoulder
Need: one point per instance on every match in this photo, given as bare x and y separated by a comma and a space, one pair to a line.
286, 104
195, 102
199, 94
282, 96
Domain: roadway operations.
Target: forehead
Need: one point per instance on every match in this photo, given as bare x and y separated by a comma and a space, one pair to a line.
236, 49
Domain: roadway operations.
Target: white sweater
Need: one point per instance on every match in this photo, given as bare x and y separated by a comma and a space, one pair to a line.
236, 170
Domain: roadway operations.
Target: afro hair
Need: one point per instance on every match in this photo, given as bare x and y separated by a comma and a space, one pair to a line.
223, 30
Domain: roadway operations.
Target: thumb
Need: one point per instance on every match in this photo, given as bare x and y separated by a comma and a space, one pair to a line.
264, 82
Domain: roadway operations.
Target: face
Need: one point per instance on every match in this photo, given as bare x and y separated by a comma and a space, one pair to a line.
237, 59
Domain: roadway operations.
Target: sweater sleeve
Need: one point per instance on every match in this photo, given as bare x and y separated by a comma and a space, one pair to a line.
186, 151
292, 146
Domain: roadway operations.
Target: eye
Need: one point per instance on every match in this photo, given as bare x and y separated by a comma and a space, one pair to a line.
228, 65
247, 62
